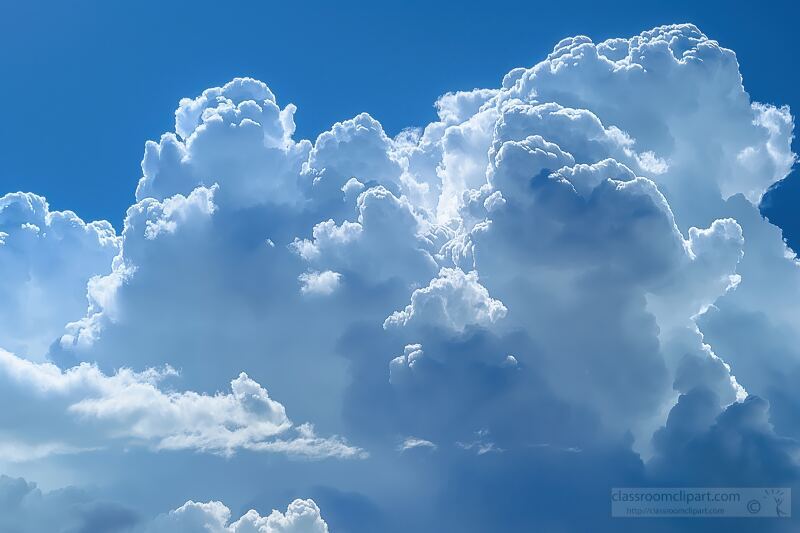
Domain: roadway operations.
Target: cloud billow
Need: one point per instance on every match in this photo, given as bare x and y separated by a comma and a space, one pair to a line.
561, 285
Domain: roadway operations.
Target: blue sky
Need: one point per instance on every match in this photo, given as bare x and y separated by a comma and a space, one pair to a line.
106, 77
306, 318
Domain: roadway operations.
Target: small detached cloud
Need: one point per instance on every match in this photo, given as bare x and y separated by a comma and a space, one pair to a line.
414, 443
323, 283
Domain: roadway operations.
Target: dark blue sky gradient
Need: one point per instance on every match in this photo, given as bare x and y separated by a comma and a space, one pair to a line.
86, 82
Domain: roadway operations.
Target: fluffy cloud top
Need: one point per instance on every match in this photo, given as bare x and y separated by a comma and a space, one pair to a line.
302, 516
212, 132
451, 300
47, 258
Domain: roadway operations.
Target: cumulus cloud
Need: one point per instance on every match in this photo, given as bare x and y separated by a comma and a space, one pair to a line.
668, 65
452, 300
302, 516
146, 222
356, 149
47, 259
235, 135
386, 241
562, 281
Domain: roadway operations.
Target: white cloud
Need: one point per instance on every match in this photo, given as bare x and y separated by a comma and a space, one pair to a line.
695, 115
595, 216
130, 406
147, 221
387, 241
302, 516
401, 366
319, 282
413, 443
456, 107
235, 135
47, 258
353, 149
452, 300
